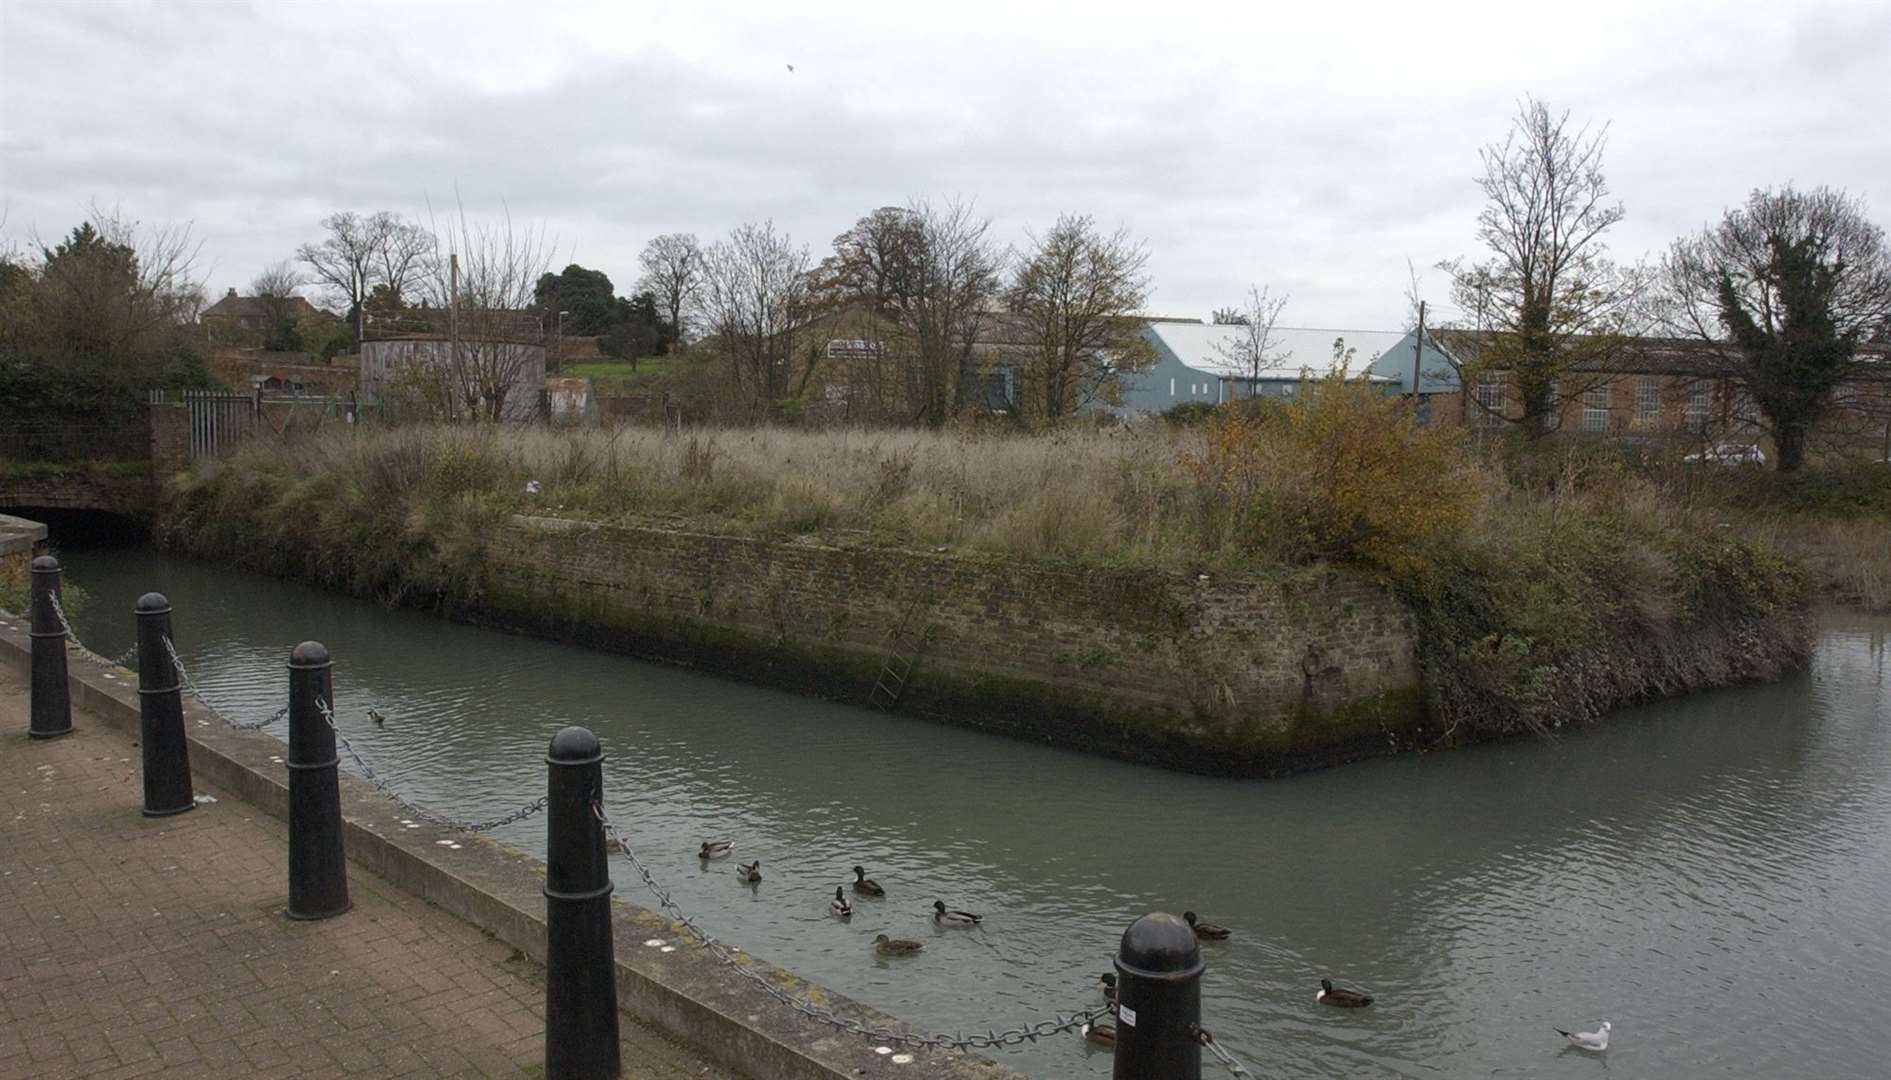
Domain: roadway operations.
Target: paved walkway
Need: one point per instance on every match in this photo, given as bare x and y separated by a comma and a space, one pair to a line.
157, 948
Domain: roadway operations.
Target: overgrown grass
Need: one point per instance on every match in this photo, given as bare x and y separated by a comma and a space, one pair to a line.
16, 588
1548, 586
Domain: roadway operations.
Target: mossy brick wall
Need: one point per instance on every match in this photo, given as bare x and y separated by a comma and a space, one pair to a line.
170, 437
1247, 675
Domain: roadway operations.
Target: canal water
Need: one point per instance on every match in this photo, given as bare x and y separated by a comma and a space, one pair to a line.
1712, 875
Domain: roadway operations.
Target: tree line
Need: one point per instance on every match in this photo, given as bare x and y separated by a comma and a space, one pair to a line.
917, 314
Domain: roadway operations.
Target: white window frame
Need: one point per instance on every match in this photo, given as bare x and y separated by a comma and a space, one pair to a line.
1700, 405
1647, 400
1595, 406
1492, 393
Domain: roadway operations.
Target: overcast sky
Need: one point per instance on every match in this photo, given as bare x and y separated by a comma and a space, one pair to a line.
1317, 147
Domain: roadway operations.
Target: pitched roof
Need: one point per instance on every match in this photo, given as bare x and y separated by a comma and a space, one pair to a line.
233, 306
1649, 355
1208, 347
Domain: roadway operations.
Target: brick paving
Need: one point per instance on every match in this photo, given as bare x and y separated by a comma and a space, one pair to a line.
135, 947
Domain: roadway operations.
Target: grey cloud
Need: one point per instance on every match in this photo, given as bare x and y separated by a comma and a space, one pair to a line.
1321, 157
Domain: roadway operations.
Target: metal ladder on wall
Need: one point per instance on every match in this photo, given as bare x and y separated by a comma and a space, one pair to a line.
903, 652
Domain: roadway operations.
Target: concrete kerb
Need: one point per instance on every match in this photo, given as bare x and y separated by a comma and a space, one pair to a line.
19, 536
685, 993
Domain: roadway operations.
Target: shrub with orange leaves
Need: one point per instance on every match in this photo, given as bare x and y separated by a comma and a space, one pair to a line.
1341, 473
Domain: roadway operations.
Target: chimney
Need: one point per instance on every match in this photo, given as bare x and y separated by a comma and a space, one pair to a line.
232, 294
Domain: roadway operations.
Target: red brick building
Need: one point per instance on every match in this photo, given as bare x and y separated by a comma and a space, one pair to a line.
1655, 391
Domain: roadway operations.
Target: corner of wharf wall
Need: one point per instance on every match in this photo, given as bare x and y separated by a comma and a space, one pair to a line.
1221, 658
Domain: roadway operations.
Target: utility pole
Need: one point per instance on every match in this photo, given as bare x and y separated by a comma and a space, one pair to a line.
1418, 352
454, 369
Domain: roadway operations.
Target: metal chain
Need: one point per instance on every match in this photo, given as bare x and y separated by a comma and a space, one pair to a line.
72, 635
729, 957
241, 725
1235, 1068
367, 772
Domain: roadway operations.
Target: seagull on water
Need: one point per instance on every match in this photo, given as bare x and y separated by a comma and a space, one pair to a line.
1595, 1041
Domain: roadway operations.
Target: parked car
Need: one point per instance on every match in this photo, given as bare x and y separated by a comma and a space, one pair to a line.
1729, 454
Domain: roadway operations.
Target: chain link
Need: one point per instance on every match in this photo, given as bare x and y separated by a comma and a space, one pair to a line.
241, 725
1235, 1068
177, 662
72, 635
1016, 1036
367, 772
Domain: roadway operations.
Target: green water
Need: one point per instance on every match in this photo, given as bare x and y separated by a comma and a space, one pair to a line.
1713, 875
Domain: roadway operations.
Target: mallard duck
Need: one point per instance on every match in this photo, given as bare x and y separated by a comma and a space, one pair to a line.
1593, 1041
1345, 999
961, 919
375, 715
1206, 931
1100, 1034
865, 885
887, 946
840, 908
1106, 982
715, 849
750, 872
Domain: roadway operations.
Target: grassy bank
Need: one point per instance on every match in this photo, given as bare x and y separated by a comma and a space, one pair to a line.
1548, 587
612, 378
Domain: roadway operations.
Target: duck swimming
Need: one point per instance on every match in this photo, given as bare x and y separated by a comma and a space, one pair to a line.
1099, 1034
887, 946
1344, 999
865, 885
840, 908
960, 919
1206, 931
750, 872
715, 849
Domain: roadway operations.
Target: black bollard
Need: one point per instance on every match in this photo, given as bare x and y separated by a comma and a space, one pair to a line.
1159, 1001
318, 871
52, 701
161, 713
580, 968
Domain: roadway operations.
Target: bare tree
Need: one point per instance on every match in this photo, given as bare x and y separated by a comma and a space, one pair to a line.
361, 253
673, 273
927, 274
405, 256
754, 294
1078, 292
495, 358
952, 281
1550, 308
874, 261
1255, 348
1784, 291
276, 291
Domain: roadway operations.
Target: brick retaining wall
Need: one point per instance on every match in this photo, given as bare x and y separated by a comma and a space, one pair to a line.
1239, 675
